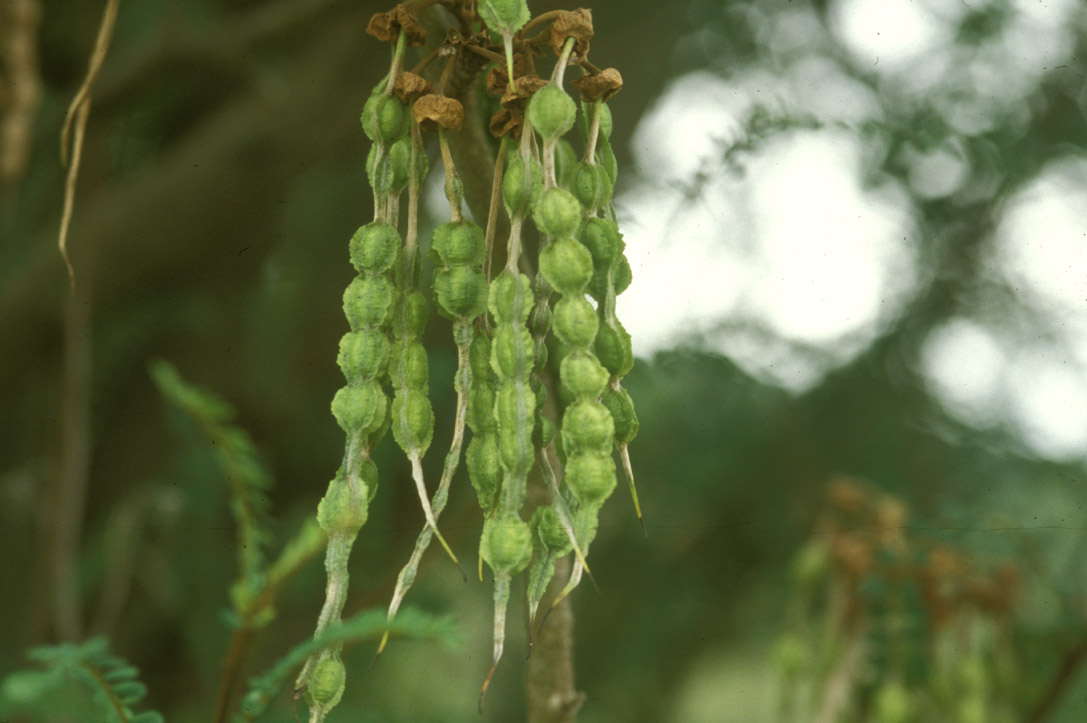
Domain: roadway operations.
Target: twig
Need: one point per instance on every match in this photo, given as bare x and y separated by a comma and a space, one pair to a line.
75, 126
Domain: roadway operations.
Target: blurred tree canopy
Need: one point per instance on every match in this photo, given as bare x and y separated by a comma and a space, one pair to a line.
223, 173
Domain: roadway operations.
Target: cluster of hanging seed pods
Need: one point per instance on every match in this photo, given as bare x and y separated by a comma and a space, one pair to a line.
562, 299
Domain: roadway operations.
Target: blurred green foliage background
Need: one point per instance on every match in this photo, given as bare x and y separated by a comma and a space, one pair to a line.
222, 176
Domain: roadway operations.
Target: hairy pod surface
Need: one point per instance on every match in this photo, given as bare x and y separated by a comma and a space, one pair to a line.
544, 431
621, 407
583, 374
413, 420
567, 265
586, 426
565, 162
587, 185
506, 544
484, 469
461, 291
412, 368
557, 212
400, 165
326, 685
416, 313
585, 118
613, 348
548, 531
511, 297
551, 112
576, 322
504, 16
382, 118
360, 409
511, 351
363, 354
591, 477
521, 184
341, 512
458, 243
603, 240
368, 301
374, 248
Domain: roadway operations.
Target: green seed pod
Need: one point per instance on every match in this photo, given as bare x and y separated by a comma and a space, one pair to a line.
551, 112
503, 301
422, 167
515, 447
521, 184
326, 684
374, 247
540, 321
612, 348
413, 420
416, 312
338, 511
575, 322
368, 301
583, 375
586, 184
382, 117
566, 160
484, 469
623, 275
363, 354
481, 407
410, 368
504, 17
621, 407
479, 356
557, 213
586, 522
567, 265
603, 240
539, 360
400, 164
461, 291
458, 243
506, 544
591, 477
548, 531
510, 351
544, 430
587, 426
380, 174
606, 158
585, 117
360, 409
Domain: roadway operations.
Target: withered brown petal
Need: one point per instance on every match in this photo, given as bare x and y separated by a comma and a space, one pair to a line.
409, 87
576, 24
432, 110
414, 33
383, 27
506, 121
604, 84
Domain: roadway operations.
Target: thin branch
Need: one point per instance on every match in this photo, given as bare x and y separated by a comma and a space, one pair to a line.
75, 126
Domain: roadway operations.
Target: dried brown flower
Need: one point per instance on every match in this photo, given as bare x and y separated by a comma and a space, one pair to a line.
576, 24
409, 87
432, 111
506, 121
603, 85
386, 26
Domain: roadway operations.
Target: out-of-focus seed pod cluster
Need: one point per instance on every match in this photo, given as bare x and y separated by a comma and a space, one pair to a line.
557, 199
